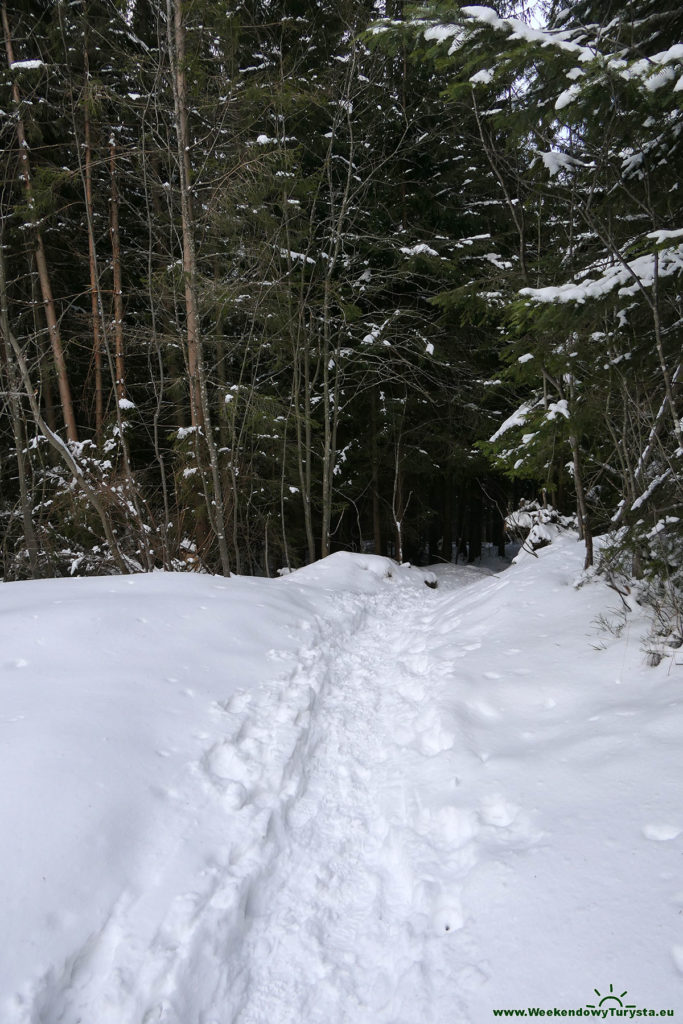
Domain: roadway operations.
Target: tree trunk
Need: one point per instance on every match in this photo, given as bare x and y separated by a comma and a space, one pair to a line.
41, 262
303, 434
582, 513
92, 262
19, 438
397, 502
120, 383
374, 455
199, 399
447, 520
176, 45
55, 441
474, 524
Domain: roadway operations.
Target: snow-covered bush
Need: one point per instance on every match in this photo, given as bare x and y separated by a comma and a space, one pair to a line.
535, 525
644, 564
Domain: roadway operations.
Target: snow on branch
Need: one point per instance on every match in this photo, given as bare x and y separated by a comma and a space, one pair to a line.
517, 419
657, 70
628, 277
26, 65
651, 73
555, 161
517, 29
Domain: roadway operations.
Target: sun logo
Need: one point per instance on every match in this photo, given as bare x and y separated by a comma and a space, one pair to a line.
612, 998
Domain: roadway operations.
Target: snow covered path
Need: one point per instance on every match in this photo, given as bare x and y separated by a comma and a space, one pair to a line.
334, 903
367, 883
428, 805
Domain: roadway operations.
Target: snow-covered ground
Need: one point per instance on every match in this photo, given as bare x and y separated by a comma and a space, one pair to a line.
338, 797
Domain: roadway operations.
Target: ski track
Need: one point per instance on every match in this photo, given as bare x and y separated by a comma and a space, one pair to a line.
337, 868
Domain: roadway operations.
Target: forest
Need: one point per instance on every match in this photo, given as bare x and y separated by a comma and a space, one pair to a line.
279, 278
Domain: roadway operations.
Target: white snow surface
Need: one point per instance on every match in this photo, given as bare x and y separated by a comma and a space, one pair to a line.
339, 796
26, 65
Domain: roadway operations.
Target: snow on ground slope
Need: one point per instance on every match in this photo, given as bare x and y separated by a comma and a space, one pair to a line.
341, 796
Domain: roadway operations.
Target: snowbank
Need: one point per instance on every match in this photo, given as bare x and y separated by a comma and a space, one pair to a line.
358, 574
337, 797
114, 695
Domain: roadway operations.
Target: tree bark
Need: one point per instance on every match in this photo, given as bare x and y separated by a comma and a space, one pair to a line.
176, 46
199, 399
19, 435
41, 262
474, 523
447, 520
120, 383
92, 263
374, 456
584, 525
331, 351
55, 441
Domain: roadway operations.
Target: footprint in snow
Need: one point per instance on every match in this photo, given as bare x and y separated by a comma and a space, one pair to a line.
471, 978
415, 664
454, 826
483, 709
497, 811
411, 690
225, 768
511, 826
661, 833
436, 741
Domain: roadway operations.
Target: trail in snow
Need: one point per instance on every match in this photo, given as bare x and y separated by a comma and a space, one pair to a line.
357, 921
340, 831
336, 894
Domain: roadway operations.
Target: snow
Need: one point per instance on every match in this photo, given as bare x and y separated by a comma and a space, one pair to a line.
662, 236
559, 408
528, 33
650, 73
421, 249
340, 796
23, 65
645, 68
650, 489
567, 96
555, 161
441, 33
517, 419
628, 277
291, 255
